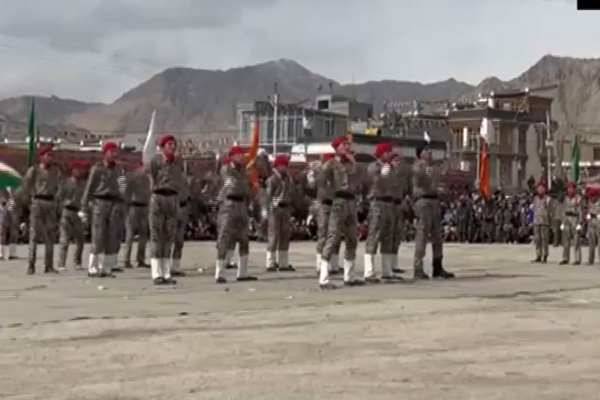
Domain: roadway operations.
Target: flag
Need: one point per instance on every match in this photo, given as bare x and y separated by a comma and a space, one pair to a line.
9, 177
484, 177
149, 150
253, 152
575, 158
31, 135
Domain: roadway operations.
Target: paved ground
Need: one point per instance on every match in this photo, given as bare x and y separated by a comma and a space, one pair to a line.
505, 329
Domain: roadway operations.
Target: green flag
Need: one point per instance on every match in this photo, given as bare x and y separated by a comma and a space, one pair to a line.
575, 157
31, 135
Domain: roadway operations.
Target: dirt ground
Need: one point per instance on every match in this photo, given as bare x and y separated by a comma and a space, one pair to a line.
505, 329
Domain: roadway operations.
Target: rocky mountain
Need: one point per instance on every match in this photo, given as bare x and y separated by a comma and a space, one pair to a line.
204, 101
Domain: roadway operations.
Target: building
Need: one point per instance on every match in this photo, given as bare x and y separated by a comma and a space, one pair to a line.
354, 110
517, 127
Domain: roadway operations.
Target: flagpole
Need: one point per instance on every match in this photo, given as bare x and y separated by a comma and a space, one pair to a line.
477, 180
275, 119
549, 150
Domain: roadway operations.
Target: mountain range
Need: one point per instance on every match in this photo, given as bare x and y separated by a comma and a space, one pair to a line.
203, 102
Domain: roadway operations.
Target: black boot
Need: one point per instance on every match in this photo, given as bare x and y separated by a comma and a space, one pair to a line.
537, 260
439, 271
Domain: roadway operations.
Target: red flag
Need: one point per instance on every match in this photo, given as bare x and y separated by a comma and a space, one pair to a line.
254, 141
484, 178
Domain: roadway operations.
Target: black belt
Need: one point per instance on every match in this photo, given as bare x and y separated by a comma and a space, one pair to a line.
593, 215
165, 192
344, 195
107, 197
571, 214
236, 198
283, 205
385, 199
72, 208
183, 204
430, 197
138, 204
397, 201
327, 202
43, 197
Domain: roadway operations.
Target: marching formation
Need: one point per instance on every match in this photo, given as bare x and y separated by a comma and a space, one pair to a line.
154, 201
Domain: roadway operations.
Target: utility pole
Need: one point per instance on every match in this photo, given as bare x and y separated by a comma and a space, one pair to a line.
275, 105
549, 148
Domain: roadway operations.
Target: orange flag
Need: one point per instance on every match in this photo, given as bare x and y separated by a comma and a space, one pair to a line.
484, 179
254, 141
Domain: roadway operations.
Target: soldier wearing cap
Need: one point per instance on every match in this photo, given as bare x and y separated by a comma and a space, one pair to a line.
137, 197
401, 190
70, 225
380, 219
11, 222
277, 210
425, 184
571, 224
42, 182
339, 175
102, 193
593, 223
233, 220
542, 219
166, 176
183, 216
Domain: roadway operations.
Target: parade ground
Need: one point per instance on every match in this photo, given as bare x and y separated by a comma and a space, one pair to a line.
504, 329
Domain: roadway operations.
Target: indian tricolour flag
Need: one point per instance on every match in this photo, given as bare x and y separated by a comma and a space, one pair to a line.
9, 178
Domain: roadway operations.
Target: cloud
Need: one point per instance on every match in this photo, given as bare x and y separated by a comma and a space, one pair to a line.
97, 49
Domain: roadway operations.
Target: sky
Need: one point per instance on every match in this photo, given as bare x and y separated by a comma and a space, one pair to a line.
95, 50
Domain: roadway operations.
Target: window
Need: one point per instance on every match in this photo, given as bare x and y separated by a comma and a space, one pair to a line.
596, 153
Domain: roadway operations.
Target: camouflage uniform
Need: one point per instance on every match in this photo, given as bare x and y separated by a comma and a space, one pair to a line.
278, 206
102, 192
41, 184
343, 220
15, 208
137, 195
183, 218
542, 218
380, 221
401, 190
571, 228
593, 229
70, 225
165, 180
232, 221
425, 183
324, 197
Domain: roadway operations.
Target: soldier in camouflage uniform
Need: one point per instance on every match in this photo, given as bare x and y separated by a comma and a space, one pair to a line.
103, 194
41, 183
70, 225
137, 195
234, 197
277, 210
542, 219
425, 184
401, 190
166, 176
339, 175
557, 220
229, 258
183, 217
593, 223
14, 206
381, 217
571, 224
324, 197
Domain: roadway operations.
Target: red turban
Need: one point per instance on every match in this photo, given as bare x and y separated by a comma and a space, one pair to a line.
164, 139
328, 156
225, 160
45, 150
108, 146
382, 148
571, 184
235, 150
74, 164
541, 183
281, 159
338, 141
593, 191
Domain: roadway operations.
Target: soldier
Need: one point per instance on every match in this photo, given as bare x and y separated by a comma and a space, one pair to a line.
571, 225
229, 259
166, 176
70, 225
401, 190
339, 173
137, 195
542, 218
324, 198
278, 213
381, 216
41, 184
557, 220
102, 192
425, 183
183, 216
593, 223
14, 206
232, 220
